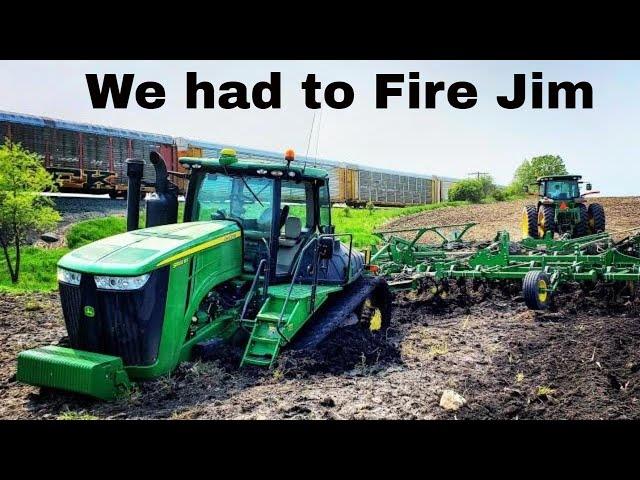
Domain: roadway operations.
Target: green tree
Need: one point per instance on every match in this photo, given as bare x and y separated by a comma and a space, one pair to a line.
23, 211
529, 170
470, 190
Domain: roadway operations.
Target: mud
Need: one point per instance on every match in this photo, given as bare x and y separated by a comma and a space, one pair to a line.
581, 360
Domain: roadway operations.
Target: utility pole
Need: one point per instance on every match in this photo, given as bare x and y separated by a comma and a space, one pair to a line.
478, 174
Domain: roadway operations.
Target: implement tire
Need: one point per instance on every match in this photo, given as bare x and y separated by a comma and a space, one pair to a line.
534, 290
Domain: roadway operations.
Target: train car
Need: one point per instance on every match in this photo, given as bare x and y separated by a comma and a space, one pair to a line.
87, 158
350, 183
91, 159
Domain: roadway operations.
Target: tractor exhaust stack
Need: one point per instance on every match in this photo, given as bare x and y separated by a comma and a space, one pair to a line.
134, 174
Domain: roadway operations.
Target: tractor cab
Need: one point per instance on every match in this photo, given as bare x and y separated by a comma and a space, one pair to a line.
560, 187
278, 207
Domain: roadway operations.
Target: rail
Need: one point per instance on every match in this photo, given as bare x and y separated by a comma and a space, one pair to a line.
315, 240
265, 262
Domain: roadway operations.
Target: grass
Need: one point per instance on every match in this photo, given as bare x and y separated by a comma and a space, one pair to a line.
361, 222
89, 231
37, 271
70, 415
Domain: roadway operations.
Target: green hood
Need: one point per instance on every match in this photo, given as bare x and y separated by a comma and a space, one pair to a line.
141, 251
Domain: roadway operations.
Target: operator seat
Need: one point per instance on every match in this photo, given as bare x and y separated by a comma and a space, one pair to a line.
289, 245
292, 232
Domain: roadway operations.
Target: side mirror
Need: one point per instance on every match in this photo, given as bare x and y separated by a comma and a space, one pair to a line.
526, 189
589, 186
325, 248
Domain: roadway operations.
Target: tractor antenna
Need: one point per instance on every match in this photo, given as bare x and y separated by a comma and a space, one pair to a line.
313, 121
318, 138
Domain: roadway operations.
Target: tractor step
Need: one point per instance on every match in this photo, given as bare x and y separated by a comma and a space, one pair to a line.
88, 373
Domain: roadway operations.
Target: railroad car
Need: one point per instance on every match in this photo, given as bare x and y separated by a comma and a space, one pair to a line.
350, 183
88, 158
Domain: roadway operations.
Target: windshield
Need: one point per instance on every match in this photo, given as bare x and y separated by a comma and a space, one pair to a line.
247, 200
562, 189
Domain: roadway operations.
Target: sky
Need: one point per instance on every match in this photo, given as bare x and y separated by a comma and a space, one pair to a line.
601, 143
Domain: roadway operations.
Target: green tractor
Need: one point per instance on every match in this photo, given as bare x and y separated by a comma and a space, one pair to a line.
256, 263
562, 209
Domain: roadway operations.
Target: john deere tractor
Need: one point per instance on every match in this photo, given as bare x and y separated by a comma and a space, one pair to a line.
256, 263
562, 209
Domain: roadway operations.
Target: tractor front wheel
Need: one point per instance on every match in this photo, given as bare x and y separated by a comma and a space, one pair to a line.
529, 222
546, 220
535, 288
597, 219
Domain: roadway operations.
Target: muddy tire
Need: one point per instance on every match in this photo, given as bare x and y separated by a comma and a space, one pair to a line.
546, 220
529, 223
596, 218
582, 227
534, 290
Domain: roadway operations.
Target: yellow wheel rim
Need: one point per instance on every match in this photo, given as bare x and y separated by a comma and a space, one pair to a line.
542, 291
376, 320
541, 225
524, 224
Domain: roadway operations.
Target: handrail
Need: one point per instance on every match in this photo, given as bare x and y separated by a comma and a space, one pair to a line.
262, 263
311, 241
314, 240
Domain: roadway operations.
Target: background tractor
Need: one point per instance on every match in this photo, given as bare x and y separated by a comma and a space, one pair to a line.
256, 264
562, 209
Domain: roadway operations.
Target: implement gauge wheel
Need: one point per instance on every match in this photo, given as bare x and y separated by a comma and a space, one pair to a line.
529, 222
374, 313
546, 220
535, 290
597, 219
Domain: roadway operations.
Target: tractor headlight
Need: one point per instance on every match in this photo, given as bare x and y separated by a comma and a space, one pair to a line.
121, 283
67, 276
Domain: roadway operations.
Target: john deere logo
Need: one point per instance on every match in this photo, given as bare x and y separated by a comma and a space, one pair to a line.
89, 311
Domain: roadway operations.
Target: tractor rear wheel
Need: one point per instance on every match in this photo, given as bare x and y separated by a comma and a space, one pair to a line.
535, 290
546, 220
597, 219
581, 229
529, 222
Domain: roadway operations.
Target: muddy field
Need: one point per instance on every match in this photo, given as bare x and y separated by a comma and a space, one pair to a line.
581, 360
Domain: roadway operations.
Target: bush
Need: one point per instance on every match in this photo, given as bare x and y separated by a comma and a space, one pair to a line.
470, 190
499, 195
347, 211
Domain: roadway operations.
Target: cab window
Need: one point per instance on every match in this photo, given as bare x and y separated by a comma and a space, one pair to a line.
246, 200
